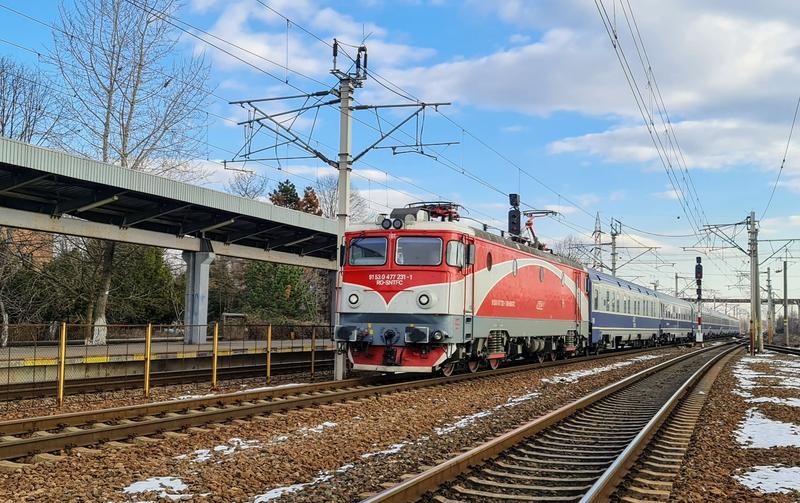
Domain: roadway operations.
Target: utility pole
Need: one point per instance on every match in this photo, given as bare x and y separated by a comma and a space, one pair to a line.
770, 308
597, 262
616, 229
676, 284
756, 338
785, 303
345, 166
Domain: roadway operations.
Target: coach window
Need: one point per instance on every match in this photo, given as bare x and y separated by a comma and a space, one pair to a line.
368, 251
418, 251
605, 304
596, 299
455, 253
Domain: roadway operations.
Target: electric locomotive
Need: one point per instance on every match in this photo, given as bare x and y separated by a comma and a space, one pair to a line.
422, 291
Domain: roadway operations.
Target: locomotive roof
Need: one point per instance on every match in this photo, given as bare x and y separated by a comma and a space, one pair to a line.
461, 226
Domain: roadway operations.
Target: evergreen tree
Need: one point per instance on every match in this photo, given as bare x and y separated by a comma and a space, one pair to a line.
285, 194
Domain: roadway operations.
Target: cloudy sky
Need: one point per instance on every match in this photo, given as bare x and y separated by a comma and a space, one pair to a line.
540, 106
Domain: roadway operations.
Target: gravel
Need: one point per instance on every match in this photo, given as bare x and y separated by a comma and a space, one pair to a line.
328, 453
747, 446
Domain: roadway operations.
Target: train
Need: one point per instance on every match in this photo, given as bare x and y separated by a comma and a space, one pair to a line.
425, 291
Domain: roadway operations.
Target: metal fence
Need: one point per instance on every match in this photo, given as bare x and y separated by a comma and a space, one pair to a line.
44, 358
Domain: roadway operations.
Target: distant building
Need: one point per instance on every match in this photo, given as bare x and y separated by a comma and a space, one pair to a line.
37, 246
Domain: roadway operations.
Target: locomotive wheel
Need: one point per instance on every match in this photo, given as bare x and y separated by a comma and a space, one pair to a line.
473, 365
540, 357
494, 363
448, 368
552, 356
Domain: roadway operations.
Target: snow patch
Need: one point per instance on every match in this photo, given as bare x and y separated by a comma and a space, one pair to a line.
463, 422
393, 449
771, 479
577, 375
318, 428
280, 491
171, 488
757, 431
279, 386
791, 402
235, 444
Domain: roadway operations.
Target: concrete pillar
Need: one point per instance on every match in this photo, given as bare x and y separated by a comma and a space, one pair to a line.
339, 359
196, 308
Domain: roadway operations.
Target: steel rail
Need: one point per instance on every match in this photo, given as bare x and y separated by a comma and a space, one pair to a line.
90, 427
783, 349
414, 487
17, 426
111, 383
608, 482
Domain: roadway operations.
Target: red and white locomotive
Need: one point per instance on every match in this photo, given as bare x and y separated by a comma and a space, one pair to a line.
422, 291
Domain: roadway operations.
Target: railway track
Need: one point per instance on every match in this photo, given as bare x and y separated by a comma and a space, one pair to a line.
783, 349
579, 452
25, 437
112, 383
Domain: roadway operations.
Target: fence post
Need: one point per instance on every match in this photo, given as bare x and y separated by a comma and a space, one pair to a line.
214, 353
269, 354
62, 357
313, 349
148, 341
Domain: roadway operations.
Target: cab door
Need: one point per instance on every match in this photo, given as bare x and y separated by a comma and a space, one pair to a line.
469, 286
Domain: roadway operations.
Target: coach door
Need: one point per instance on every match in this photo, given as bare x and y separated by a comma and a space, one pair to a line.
469, 286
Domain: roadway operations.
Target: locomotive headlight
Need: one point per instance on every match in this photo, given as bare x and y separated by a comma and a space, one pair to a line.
425, 300
353, 299
437, 335
386, 224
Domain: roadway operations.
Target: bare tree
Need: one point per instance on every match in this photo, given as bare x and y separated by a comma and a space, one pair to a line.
136, 102
568, 248
248, 184
327, 189
29, 110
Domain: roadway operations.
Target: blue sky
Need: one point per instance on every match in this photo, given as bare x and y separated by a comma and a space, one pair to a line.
540, 83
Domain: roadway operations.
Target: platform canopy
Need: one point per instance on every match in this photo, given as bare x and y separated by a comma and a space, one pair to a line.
50, 191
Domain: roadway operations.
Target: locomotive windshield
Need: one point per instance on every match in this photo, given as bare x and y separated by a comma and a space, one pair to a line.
368, 251
418, 251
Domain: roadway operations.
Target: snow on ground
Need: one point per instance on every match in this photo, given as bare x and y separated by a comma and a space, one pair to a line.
318, 428
757, 431
784, 372
393, 449
280, 491
577, 375
234, 445
464, 421
771, 479
171, 488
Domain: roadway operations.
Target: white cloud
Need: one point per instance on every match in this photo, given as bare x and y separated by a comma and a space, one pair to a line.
705, 144
561, 208
519, 38
671, 194
617, 195
514, 128
792, 184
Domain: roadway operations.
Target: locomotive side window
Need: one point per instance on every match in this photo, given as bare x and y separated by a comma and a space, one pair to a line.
455, 253
418, 251
489, 261
541, 274
514, 268
368, 251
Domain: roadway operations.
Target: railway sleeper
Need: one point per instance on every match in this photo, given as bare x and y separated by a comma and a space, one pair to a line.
528, 488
